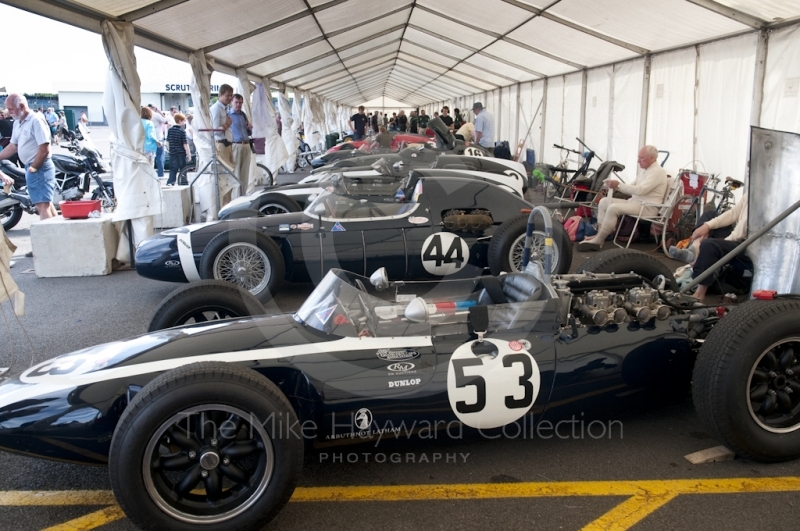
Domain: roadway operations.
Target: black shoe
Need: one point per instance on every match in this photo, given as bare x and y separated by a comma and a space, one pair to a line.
29, 254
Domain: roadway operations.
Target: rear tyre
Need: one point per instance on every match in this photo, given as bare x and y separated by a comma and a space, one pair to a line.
246, 258
270, 204
200, 302
10, 217
746, 382
194, 450
507, 245
628, 261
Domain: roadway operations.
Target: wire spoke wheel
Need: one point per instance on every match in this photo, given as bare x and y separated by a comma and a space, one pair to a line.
245, 265
208, 464
537, 248
773, 387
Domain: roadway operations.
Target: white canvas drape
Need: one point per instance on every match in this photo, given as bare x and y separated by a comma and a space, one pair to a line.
265, 125
200, 88
289, 129
136, 184
244, 88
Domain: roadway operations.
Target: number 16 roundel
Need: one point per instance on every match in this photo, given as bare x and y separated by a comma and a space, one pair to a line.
488, 392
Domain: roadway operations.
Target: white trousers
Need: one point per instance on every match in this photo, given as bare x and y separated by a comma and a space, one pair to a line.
611, 208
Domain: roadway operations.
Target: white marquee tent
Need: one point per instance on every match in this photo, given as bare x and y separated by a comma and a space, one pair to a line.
687, 75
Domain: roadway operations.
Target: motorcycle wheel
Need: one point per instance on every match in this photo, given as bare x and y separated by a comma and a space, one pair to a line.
106, 195
10, 217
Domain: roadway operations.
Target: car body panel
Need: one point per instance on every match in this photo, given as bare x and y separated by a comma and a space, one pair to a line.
409, 375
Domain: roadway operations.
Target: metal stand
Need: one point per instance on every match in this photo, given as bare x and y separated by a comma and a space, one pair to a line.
214, 164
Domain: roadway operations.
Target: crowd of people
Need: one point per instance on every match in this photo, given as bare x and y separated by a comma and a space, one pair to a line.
481, 131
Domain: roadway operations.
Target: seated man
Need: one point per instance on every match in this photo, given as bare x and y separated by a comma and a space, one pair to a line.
648, 187
383, 139
706, 249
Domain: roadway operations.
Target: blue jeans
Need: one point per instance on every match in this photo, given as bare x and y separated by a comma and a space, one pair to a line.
176, 162
160, 160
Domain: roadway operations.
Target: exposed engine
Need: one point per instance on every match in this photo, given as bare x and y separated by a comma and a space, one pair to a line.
475, 220
604, 299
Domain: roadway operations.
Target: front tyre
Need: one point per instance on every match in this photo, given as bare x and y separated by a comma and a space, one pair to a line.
246, 258
507, 246
194, 450
746, 383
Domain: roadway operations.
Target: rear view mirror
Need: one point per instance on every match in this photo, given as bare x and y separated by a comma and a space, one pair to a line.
380, 279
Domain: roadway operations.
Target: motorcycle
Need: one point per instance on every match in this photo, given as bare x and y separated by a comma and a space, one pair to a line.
74, 174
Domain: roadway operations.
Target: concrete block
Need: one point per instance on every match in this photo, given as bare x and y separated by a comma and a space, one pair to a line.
73, 247
175, 207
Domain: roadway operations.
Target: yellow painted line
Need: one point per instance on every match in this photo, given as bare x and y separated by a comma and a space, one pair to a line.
629, 513
91, 520
456, 491
56, 497
644, 497
549, 489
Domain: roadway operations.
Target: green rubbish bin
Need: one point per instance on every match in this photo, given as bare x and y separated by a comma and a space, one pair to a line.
330, 140
69, 114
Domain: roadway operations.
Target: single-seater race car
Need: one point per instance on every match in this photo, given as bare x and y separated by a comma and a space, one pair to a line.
431, 228
295, 197
368, 146
205, 426
446, 144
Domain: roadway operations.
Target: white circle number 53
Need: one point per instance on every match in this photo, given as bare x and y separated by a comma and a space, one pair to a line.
487, 392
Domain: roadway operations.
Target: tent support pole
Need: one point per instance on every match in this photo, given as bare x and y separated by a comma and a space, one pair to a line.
584, 88
762, 48
645, 102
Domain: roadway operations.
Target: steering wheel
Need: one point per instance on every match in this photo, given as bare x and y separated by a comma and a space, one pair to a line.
369, 309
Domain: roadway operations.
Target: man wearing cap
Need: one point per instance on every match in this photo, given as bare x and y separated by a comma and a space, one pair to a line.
484, 126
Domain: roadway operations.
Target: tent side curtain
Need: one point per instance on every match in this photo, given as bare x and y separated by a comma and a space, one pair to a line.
699, 103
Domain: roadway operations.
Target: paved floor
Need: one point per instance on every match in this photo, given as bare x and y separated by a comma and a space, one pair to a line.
636, 479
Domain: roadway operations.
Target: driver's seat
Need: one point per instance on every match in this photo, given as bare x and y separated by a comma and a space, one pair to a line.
516, 287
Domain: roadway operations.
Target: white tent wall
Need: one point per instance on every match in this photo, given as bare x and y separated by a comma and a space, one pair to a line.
597, 134
781, 104
553, 119
571, 124
626, 115
670, 111
725, 95
698, 104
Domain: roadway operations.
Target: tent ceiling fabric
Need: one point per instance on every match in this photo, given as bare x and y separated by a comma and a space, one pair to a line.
352, 51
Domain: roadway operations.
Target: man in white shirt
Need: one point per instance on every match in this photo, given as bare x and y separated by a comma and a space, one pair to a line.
648, 187
484, 126
221, 120
30, 139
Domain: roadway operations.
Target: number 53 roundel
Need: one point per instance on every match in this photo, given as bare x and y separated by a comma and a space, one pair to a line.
488, 392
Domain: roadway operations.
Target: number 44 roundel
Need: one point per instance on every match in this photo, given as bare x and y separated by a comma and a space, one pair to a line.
444, 254
488, 392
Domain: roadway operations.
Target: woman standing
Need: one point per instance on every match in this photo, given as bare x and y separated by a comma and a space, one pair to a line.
151, 145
